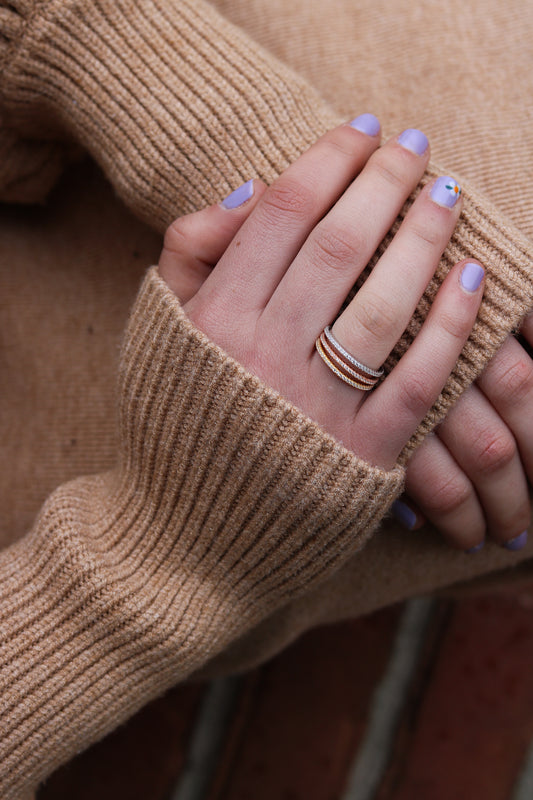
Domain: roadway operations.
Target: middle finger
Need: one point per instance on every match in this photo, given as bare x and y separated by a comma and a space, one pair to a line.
341, 245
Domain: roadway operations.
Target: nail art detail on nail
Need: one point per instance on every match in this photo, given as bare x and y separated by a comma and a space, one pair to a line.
366, 123
517, 543
405, 515
476, 548
471, 277
239, 196
414, 140
445, 192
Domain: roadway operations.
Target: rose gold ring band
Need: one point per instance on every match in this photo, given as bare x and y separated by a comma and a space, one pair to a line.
344, 365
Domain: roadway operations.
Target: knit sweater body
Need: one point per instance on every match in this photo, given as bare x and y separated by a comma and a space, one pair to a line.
217, 521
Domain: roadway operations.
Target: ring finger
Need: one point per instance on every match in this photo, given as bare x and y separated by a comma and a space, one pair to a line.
379, 313
341, 245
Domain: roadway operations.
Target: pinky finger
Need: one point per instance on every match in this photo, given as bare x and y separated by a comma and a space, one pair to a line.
390, 416
195, 242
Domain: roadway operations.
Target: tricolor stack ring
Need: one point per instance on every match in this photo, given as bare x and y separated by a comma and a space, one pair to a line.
344, 365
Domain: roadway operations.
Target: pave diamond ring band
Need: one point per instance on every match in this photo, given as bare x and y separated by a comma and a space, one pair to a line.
343, 363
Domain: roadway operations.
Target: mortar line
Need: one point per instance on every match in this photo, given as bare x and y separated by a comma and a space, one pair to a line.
208, 739
388, 704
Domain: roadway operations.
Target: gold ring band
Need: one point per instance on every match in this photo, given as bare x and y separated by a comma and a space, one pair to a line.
344, 365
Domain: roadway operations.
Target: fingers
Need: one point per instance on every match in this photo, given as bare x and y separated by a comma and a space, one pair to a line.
339, 248
246, 277
468, 480
392, 412
485, 449
381, 310
445, 495
194, 243
507, 382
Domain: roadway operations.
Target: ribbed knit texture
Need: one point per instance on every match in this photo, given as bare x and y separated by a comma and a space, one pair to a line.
132, 579
229, 507
116, 74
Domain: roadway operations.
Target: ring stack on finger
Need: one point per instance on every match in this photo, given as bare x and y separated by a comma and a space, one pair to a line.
344, 365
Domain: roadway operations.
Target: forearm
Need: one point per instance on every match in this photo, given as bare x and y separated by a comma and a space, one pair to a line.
132, 580
179, 107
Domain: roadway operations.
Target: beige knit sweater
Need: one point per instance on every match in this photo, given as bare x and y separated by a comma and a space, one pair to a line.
218, 521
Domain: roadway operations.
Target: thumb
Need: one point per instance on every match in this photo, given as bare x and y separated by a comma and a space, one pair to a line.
194, 243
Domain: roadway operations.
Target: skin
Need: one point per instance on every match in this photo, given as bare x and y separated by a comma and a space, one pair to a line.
265, 278
473, 473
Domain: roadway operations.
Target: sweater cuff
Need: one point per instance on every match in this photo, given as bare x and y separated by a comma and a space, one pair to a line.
293, 500
179, 107
176, 104
226, 504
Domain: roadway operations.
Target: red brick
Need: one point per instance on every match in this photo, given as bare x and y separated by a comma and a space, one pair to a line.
474, 724
302, 716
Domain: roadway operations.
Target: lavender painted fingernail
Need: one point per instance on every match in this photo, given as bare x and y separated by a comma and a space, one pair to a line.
445, 192
476, 548
405, 515
414, 140
239, 196
366, 123
471, 277
517, 543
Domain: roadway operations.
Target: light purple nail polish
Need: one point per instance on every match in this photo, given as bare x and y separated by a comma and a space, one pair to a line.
445, 192
517, 543
366, 123
414, 140
471, 277
239, 196
476, 548
405, 515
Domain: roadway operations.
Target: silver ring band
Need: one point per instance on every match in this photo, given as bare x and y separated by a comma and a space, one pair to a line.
367, 370
344, 365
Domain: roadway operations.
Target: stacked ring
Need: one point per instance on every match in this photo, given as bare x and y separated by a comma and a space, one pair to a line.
344, 365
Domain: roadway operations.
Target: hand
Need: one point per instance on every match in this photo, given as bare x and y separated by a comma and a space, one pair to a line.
471, 478
280, 267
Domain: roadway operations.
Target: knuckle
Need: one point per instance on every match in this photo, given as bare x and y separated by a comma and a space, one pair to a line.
427, 236
515, 384
176, 239
340, 143
448, 496
377, 318
334, 249
289, 198
455, 325
389, 171
495, 451
416, 395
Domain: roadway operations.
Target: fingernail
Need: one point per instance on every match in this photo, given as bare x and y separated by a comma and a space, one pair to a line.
239, 196
405, 515
471, 277
414, 140
445, 192
517, 543
476, 548
366, 123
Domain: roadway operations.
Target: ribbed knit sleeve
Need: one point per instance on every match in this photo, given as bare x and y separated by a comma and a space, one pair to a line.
179, 107
227, 503
175, 103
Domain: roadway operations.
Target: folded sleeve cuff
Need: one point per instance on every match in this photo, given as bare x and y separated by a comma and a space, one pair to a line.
227, 503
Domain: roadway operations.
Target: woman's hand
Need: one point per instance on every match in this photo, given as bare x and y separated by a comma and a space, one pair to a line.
472, 476
285, 261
